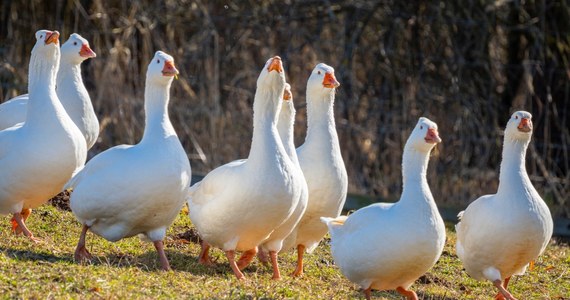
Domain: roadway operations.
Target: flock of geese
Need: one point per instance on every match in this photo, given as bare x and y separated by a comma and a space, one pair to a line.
279, 198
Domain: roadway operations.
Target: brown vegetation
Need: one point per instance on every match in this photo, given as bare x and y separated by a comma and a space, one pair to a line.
465, 64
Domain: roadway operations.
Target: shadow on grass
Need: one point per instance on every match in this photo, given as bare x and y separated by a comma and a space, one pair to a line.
27, 255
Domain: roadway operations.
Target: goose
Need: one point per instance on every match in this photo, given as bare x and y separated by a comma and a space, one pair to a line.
322, 165
387, 246
285, 127
229, 204
136, 189
69, 88
28, 176
499, 235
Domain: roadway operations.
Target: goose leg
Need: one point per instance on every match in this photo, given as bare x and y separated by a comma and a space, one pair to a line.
230, 254
503, 293
81, 254
162, 256
410, 295
275, 264
246, 258
300, 252
204, 257
19, 224
368, 293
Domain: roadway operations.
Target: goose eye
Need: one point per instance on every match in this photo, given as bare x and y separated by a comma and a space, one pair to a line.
41, 36
319, 72
421, 127
74, 43
158, 61
517, 117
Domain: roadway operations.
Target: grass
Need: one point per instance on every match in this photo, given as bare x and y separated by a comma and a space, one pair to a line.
129, 269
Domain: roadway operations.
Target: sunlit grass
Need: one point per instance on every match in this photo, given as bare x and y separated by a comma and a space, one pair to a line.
129, 269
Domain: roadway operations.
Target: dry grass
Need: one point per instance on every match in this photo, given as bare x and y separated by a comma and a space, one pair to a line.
466, 65
129, 269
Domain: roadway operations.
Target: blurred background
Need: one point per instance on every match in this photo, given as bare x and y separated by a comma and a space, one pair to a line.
466, 64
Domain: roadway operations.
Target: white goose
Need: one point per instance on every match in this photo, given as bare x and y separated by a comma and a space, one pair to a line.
28, 176
70, 91
136, 189
229, 204
285, 127
499, 234
387, 246
321, 163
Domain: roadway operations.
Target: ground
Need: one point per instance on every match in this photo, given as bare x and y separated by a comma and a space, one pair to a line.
130, 269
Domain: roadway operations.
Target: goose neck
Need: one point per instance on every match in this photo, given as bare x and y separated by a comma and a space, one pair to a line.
157, 121
414, 170
43, 102
285, 127
265, 112
513, 171
320, 119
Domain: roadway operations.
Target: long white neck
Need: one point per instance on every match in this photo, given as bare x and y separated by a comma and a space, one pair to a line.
74, 96
43, 102
513, 171
157, 121
321, 131
414, 173
265, 141
286, 128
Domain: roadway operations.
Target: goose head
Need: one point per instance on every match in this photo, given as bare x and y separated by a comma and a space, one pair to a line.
519, 126
47, 43
272, 75
424, 136
76, 49
161, 69
322, 81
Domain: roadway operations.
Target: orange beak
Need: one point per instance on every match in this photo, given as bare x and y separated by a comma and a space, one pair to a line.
330, 81
287, 95
86, 52
275, 65
169, 69
432, 136
525, 125
52, 37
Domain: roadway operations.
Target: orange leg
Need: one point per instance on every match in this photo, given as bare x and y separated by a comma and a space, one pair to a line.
231, 258
503, 293
19, 220
368, 293
81, 254
274, 263
246, 258
25, 213
204, 257
299, 269
162, 256
410, 295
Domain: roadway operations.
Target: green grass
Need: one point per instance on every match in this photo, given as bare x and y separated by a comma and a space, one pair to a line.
129, 269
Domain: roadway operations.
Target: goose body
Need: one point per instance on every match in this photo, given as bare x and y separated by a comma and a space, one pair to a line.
499, 235
229, 204
38, 156
136, 189
387, 246
70, 91
321, 163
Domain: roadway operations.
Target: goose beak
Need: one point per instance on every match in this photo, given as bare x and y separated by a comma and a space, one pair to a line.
52, 37
525, 125
287, 95
169, 69
432, 136
330, 81
86, 52
275, 65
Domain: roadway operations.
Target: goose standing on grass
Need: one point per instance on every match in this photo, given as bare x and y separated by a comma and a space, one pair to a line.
136, 189
238, 205
39, 156
387, 246
321, 163
69, 88
499, 235
285, 127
